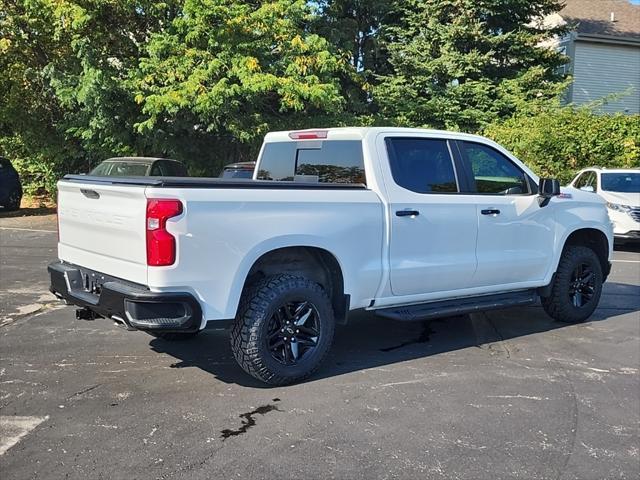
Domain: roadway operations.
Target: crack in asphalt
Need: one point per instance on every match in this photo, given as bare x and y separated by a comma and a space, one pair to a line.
574, 419
83, 391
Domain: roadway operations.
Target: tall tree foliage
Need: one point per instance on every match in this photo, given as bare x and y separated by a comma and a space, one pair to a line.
203, 80
235, 70
64, 100
462, 63
353, 29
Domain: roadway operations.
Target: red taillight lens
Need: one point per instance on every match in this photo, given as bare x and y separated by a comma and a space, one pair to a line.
308, 135
161, 245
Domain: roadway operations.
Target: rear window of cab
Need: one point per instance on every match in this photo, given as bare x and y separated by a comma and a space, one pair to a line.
323, 161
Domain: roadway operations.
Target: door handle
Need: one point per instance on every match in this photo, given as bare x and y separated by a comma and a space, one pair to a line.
407, 213
490, 211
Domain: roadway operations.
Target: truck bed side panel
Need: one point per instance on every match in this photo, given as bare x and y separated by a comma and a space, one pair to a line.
224, 231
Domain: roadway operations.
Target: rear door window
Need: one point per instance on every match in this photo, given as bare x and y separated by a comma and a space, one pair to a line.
323, 161
422, 165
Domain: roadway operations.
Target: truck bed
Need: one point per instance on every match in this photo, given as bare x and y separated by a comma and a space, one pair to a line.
209, 182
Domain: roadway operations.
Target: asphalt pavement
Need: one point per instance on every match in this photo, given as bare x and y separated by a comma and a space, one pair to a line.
506, 394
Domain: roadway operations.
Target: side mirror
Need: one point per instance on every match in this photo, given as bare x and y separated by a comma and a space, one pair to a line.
587, 188
549, 187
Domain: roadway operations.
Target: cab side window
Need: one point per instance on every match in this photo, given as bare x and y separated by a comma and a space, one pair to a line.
422, 165
493, 173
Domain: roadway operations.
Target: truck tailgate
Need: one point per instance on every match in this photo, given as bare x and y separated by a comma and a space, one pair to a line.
102, 228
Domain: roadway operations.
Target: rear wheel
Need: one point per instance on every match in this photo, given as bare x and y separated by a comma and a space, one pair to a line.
577, 286
283, 330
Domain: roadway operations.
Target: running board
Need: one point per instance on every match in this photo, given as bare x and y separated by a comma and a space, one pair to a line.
458, 306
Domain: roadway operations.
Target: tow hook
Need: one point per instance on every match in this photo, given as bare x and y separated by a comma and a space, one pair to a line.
85, 314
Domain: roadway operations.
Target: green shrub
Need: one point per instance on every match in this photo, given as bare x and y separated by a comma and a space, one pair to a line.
39, 168
558, 141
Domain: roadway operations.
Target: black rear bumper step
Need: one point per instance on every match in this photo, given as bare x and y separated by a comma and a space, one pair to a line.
135, 305
458, 306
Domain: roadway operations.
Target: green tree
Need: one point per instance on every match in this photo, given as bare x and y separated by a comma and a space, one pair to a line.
235, 70
64, 102
353, 28
462, 63
558, 141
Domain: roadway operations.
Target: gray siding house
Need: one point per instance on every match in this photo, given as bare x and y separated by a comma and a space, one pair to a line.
604, 50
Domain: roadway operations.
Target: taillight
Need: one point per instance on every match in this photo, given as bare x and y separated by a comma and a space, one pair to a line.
161, 245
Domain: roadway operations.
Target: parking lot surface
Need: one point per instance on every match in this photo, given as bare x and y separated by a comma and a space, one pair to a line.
506, 394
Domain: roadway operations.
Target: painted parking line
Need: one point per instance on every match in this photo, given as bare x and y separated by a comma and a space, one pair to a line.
28, 229
626, 261
13, 429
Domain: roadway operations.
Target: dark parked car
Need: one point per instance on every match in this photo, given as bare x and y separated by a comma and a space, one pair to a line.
238, 170
10, 187
140, 167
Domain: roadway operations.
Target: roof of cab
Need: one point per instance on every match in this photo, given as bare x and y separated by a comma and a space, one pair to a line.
359, 133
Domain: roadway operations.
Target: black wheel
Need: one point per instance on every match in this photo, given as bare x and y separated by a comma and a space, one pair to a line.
174, 336
13, 202
577, 286
283, 330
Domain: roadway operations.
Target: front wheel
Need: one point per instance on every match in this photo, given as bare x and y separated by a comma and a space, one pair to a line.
283, 330
577, 286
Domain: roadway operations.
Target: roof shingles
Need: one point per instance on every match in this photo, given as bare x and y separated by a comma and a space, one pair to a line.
593, 17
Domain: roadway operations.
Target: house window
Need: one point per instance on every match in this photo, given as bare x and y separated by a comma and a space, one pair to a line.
564, 69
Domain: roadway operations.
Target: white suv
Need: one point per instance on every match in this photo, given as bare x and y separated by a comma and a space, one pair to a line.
620, 188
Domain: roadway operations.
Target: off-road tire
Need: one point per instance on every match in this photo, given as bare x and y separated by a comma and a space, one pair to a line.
258, 304
174, 336
559, 304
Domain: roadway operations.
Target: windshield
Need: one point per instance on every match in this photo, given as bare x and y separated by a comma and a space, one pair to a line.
621, 182
120, 169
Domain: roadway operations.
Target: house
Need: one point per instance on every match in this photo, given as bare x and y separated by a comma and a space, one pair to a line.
603, 45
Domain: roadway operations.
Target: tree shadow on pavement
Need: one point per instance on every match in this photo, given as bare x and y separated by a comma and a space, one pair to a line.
27, 212
369, 341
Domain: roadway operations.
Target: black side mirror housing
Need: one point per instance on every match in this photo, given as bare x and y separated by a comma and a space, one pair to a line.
549, 187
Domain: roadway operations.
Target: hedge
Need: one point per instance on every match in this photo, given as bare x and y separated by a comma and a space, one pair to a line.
557, 142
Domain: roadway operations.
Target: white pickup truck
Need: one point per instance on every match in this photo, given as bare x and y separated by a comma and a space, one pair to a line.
409, 223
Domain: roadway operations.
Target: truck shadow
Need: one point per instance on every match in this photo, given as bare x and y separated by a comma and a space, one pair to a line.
370, 342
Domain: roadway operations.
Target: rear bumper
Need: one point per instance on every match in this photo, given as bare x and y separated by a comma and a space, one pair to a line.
133, 304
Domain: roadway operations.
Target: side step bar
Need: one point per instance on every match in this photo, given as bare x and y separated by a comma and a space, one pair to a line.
458, 306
